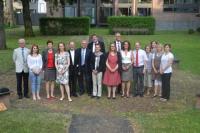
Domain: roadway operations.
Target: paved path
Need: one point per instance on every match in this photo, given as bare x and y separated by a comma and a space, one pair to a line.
99, 124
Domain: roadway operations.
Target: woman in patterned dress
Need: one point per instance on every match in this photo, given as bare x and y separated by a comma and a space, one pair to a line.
62, 63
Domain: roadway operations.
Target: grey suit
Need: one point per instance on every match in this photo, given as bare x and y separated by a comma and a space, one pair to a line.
21, 68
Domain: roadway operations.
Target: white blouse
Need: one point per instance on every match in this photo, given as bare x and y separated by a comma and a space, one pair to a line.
126, 58
34, 62
165, 60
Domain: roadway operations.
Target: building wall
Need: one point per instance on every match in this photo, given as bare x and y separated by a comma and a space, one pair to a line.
171, 20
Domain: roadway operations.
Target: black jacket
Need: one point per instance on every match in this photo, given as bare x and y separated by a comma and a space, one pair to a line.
90, 45
101, 62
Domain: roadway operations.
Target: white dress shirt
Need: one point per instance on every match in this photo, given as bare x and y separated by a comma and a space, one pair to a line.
142, 57
118, 45
165, 61
72, 56
126, 58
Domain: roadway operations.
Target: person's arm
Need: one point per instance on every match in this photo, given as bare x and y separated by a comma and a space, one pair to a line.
30, 63
56, 64
14, 56
153, 63
103, 47
108, 66
145, 61
40, 62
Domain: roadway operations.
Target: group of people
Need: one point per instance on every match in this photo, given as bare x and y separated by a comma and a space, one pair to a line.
90, 66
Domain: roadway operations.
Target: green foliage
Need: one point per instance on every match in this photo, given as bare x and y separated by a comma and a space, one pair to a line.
191, 31
198, 29
131, 25
65, 26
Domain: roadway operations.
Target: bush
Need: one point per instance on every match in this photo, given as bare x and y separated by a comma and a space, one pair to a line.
65, 26
191, 31
131, 25
198, 29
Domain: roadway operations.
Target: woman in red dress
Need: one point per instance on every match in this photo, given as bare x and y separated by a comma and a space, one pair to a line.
112, 76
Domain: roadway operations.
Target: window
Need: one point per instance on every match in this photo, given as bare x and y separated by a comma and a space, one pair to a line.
185, 6
144, 1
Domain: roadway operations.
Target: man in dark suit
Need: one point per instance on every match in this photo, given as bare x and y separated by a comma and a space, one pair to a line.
84, 68
95, 41
118, 42
73, 68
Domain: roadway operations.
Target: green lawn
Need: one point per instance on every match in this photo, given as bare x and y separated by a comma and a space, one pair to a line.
184, 120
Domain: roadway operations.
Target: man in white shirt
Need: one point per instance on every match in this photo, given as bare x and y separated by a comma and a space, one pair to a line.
73, 68
21, 67
139, 66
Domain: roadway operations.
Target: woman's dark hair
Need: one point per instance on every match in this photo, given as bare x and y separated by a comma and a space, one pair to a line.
34, 45
58, 50
152, 43
49, 41
147, 46
129, 45
167, 44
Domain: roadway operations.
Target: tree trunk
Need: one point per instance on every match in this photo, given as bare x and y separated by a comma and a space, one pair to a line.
27, 19
2, 31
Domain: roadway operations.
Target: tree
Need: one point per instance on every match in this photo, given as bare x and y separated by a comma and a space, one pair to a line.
27, 19
2, 30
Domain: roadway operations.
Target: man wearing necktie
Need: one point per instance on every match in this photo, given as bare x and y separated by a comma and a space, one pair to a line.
95, 41
118, 42
73, 68
20, 55
139, 66
84, 68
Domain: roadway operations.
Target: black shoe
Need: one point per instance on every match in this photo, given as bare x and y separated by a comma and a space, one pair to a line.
75, 95
98, 97
92, 96
20, 97
141, 95
26, 96
81, 93
135, 95
108, 98
114, 98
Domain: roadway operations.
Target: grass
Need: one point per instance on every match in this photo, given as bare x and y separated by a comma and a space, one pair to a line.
186, 121
32, 121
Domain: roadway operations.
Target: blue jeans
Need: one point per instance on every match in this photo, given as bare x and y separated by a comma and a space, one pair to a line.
35, 82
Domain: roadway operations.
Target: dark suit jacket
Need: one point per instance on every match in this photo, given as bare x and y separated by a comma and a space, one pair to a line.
87, 59
90, 46
101, 62
119, 61
73, 67
121, 44
45, 57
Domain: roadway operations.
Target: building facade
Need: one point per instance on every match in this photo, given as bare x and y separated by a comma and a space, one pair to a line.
169, 14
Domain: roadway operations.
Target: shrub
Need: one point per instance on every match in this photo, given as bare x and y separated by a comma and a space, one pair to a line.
198, 29
131, 24
65, 26
191, 31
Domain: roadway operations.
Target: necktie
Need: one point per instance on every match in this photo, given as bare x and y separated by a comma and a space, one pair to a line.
118, 47
23, 55
137, 58
83, 57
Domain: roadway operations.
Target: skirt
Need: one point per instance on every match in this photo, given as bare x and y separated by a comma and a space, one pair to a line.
50, 74
128, 74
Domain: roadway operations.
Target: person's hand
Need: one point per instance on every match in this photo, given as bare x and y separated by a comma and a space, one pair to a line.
144, 71
161, 71
124, 68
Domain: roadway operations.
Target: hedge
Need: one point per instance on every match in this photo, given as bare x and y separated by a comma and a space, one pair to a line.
64, 26
131, 24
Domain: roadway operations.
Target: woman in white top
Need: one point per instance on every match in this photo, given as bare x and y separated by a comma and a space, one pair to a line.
127, 70
62, 63
166, 71
34, 61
